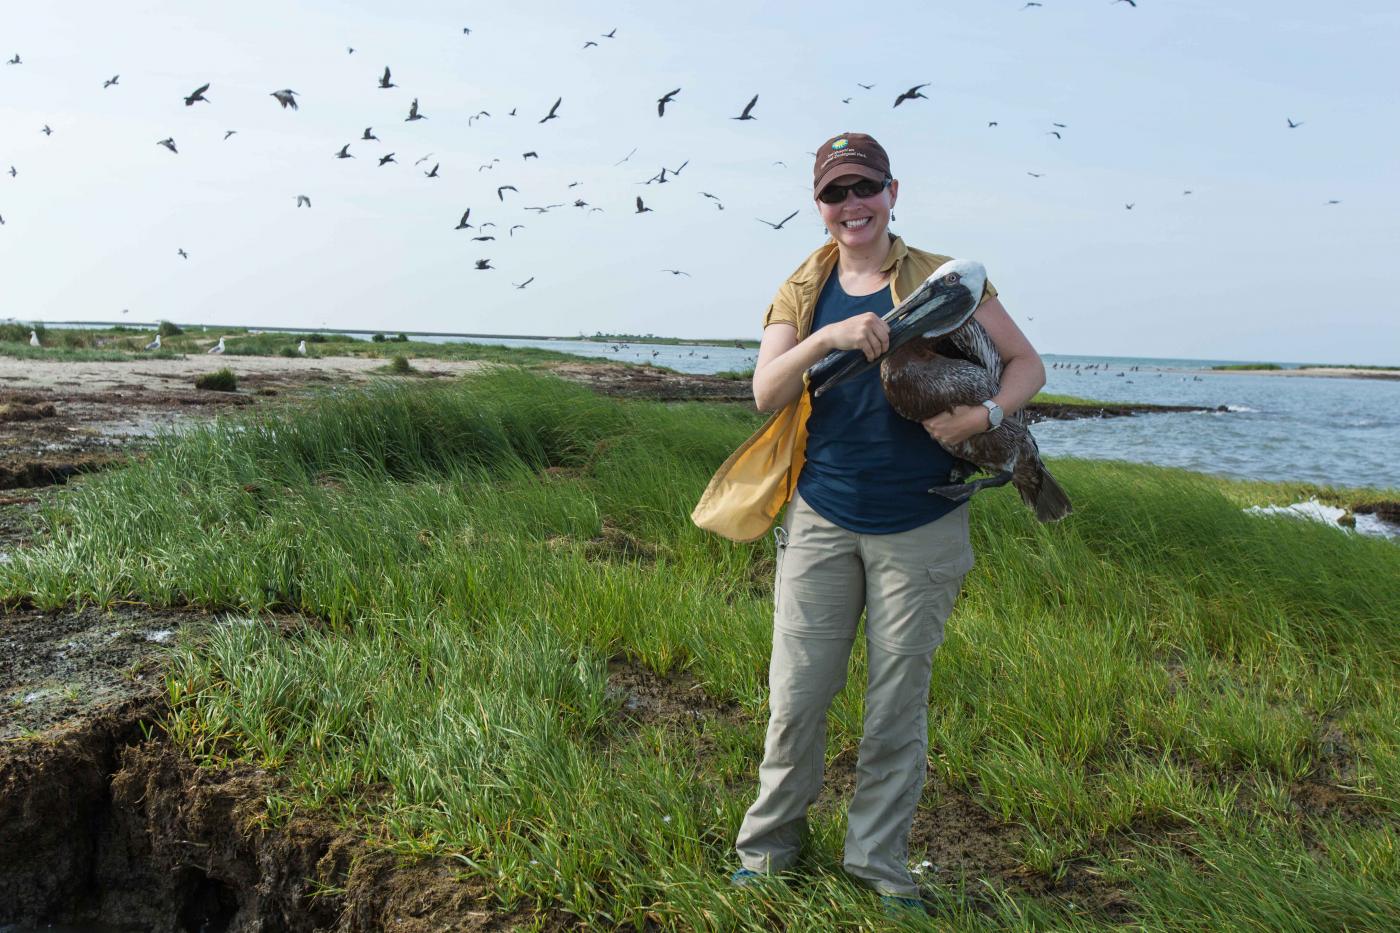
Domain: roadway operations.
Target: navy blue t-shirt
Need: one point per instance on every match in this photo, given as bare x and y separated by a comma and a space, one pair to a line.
868, 469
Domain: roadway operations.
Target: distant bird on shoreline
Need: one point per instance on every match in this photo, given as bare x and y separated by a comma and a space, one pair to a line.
552, 115
912, 93
286, 97
34, 339
154, 344
168, 142
667, 98
197, 95
217, 348
301, 348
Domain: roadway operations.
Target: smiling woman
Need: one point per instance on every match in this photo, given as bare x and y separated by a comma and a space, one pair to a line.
861, 535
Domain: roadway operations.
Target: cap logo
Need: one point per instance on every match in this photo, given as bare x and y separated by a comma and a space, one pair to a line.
840, 143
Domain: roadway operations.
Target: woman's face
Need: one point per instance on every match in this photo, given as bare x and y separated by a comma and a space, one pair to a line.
874, 210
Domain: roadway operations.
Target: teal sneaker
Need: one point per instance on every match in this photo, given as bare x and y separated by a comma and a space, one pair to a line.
897, 907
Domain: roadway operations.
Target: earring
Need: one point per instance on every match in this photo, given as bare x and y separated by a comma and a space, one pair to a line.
891, 215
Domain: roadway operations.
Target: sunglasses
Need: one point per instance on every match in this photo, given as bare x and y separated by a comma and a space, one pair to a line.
865, 188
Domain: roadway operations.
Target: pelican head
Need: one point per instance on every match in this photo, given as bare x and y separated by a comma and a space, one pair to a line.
939, 306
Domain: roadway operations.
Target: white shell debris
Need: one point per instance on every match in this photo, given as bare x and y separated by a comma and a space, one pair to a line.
160, 635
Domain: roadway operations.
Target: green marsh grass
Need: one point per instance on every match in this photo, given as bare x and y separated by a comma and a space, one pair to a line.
1149, 692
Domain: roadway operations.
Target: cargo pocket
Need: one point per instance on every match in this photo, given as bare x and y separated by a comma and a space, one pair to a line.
944, 583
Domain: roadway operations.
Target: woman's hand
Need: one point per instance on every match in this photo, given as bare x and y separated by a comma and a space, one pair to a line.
865, 332
956, 426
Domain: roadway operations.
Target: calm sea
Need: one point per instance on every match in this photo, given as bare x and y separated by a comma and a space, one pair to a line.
1339, 432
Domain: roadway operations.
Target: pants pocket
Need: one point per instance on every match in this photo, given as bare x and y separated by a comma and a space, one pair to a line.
944, 584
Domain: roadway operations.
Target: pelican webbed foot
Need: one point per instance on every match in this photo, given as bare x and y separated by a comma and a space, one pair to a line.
961, 492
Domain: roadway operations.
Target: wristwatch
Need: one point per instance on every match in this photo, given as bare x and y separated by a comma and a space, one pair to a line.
994, 414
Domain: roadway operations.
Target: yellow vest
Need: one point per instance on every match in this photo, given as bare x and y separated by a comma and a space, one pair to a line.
751, 487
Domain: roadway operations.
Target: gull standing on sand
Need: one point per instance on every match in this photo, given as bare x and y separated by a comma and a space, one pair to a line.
34, 339
154, 344
217, 348
301, 348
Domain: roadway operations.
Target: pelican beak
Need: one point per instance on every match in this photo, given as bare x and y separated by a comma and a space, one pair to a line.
939, 306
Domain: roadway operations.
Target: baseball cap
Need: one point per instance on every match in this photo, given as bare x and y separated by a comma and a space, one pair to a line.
850, 154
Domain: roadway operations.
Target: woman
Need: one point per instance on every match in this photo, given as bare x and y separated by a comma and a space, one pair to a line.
861, 532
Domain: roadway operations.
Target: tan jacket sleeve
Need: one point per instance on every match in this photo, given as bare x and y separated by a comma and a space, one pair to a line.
783, 309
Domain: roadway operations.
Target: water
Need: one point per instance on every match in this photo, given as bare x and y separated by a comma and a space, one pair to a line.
1338, 432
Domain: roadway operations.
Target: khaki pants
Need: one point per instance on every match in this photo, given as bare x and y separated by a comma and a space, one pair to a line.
906, 583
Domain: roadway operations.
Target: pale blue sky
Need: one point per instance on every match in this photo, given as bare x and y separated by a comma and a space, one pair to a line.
1166, 97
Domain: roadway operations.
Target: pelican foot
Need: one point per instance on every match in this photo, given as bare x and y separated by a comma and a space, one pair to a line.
961, 492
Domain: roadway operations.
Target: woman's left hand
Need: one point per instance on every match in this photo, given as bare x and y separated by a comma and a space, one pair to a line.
956, 426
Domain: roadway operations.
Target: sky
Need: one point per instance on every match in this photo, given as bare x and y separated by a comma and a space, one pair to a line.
1159, 99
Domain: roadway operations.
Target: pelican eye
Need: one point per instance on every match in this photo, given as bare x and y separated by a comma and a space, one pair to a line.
950, 279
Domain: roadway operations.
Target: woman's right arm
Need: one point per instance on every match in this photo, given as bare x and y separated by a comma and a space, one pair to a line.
777, 377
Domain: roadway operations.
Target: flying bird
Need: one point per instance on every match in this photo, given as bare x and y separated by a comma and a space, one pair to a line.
303, 199
286, 97
369, 134
1060, 125
501, 196
678, 272
532, 154
747, 107
228, 133
551, 115
349, 50
483, 238
662, 101
198, 94
491, 164
47, 131
1054, 133
183, 254
588, 43
484, 264
1334, 201
845, 100
413, 113
13, 173
462, 224
626, 157
606, 35
910, 94
524, 283
1129, 206
516, 227
1131, 3
714, 198
433, 173
1029, 4
641, 209
1036, 174
779, 224
384, 81
1292, 125
866, 86
991, 123
168, 142
110, 81
344, 152
15, 60
386, 159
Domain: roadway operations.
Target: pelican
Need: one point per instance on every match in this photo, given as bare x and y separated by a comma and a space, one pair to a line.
217, 348
154, 344
34, 339
939, 358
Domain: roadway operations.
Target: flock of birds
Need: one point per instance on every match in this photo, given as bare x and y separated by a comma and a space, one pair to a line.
486, 231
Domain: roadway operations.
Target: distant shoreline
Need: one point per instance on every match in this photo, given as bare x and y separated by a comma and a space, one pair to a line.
1326, 372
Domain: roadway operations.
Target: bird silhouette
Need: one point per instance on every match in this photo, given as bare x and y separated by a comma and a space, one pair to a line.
779, 224
1334, 201
484, 264
413, 113
714, 198
1036, 174
910, 94
228, 133
845, 100
197, 94
183, 254
678, 272
747, 107
34, 339
641, 208
110, 81
369, 134
991, 123
344, 152
606, 35
1292, 125
383, 160
286, 97
168, 142
154, 344
462, 224
1131, 3
433, 173
866, 86
532, 154
15, 60
47, 130
514, 228
384, 81
552, 115
1129, 206
588, 43
483, 238
1030, 4
217, 348
13, 173
665, 99
1054, 133
524, 283
303, 200
502, 188
626, 157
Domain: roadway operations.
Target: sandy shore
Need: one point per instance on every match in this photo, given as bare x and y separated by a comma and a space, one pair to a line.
1328, 372
180, 373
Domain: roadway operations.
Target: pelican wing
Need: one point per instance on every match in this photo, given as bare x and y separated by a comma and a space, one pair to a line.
971, 342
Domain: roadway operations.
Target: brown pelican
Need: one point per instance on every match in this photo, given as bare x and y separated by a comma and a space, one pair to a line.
939, 358
197, 95
746, 115
663, 100
286, 97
